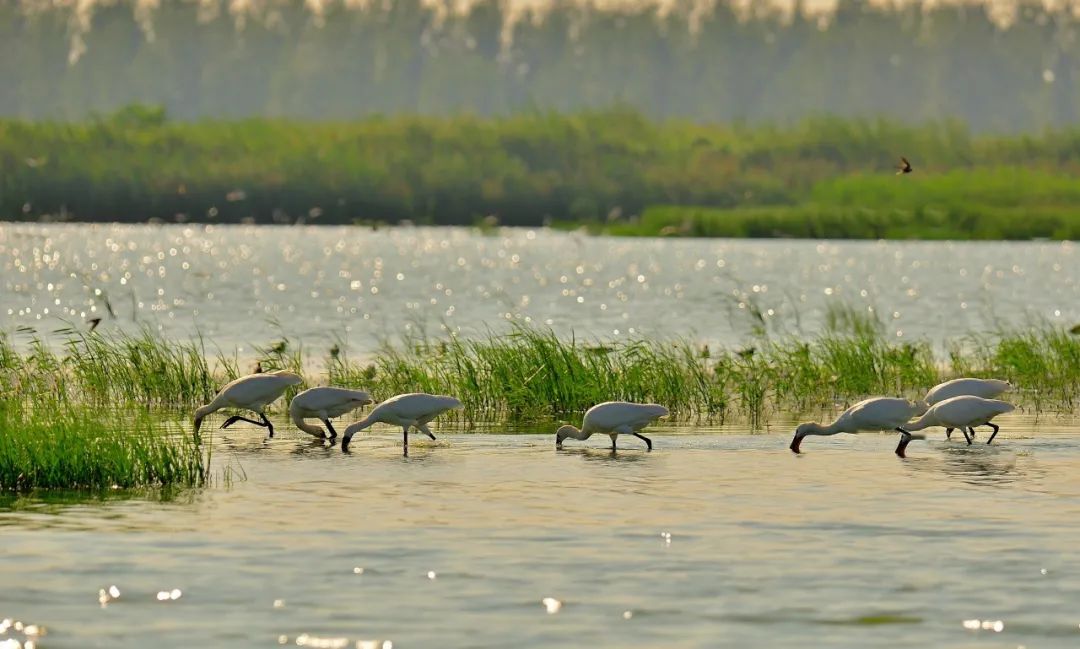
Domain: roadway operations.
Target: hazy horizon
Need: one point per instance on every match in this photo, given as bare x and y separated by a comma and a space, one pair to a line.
999, 66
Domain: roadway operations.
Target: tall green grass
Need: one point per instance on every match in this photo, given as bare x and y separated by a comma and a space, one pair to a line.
531, 373
81, 449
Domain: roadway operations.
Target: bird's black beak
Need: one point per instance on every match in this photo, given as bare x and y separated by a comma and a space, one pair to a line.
901, 448
795, 442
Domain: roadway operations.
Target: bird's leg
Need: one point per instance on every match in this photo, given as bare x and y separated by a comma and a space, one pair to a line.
948, 433
994, 434
235, 418
405, 439
425, 430
966, 438
613, 438
648, 442
972, 431
329, 427
266, 422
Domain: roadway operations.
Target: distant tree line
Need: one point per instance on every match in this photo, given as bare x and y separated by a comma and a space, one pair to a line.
700, 61
136, 165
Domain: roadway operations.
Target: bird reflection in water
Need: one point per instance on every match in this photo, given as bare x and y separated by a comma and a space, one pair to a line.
976, 465
606, 455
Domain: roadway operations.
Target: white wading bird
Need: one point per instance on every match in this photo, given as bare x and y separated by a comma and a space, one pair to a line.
252, 392
614, 418
878, 413
985, 388
324, 404
963, 412
405, 410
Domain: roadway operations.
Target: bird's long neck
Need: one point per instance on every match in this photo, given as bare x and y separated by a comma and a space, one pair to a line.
832, 429
356, 427
310, 429
922, 423
573, 432
203, 411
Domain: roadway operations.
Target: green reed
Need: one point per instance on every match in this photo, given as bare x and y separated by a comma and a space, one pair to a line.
529, 374
80, 449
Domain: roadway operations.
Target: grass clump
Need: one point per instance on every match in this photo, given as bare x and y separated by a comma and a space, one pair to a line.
78, 450
531, 373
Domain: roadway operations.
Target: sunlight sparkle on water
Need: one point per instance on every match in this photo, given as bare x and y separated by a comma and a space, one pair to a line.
107, 595
306, 640
997, 626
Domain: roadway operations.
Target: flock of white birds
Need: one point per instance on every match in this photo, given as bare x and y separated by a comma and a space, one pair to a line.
960, 404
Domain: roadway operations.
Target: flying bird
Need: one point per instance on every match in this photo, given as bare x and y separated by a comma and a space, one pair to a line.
93, 322
904, 167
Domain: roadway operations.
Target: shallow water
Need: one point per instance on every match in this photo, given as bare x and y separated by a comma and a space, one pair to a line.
459, 545
246, 285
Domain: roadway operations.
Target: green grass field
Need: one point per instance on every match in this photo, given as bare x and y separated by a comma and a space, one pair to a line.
611, 171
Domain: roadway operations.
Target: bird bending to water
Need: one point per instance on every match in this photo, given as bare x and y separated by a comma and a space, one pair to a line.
614, 418
878, 413
985, 388
324, 403
405, 410
963, 412
904, 167
252, 392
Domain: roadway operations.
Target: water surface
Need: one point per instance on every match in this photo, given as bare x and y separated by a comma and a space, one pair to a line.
246, 285
719, 537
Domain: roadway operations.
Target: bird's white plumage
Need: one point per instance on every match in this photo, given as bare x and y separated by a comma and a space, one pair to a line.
406, 410
877, 413
613, 418
985, 388
252, 392
961, 412
324, 403
616, 415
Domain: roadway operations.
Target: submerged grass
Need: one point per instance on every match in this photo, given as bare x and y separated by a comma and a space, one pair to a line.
76, 450
532, 374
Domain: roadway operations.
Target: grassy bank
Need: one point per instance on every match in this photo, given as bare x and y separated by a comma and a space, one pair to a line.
931, 221
82, 449
531, 374
820, 177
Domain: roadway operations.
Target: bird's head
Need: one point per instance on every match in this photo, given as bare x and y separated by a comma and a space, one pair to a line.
802, 431
362, 398
921, 406
292, 378
563, 433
